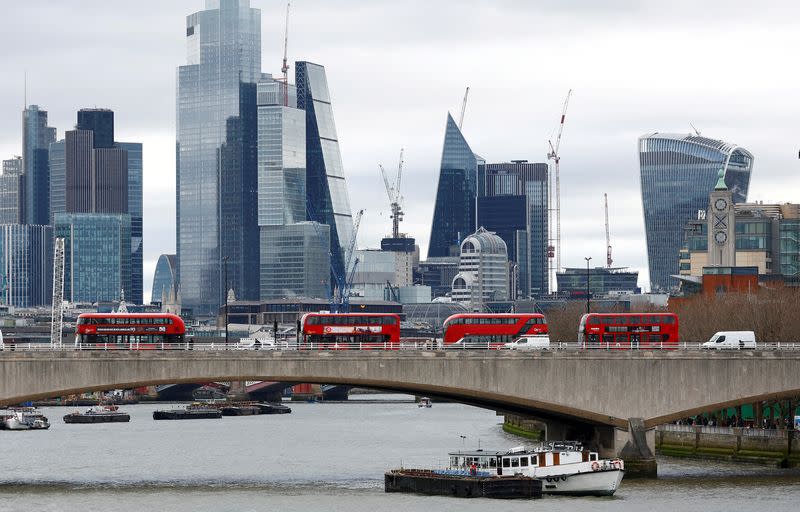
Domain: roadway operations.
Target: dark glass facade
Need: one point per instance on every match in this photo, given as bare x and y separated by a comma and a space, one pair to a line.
513, 203
326, 190
677, 174
602, 281
26, 265
216, 178
165, 277
100, 121
454, 210
135, 210
36, 139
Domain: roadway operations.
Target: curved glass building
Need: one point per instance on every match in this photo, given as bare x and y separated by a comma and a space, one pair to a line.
677, 173
165, 278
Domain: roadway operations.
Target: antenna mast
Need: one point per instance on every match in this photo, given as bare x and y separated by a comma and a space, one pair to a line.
556, 157
609, 261
285, 66
463, 109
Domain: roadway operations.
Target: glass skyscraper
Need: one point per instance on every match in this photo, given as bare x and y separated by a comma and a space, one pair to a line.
677, 174
326, 190
454, 211
26, 265
295, 254
36, 139
135, 210
165, 277
97, 248
12, 192
216, 179
513, 203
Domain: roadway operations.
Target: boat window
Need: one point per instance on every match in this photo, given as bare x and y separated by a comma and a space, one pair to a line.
506, 462
492, 463
523, 461
592, 456
534, 460
515, 462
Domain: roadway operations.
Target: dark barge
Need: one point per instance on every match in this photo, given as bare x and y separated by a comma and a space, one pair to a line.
190, 413
98, 414
424, 481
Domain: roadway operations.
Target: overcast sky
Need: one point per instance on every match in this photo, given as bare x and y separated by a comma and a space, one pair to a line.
396, 68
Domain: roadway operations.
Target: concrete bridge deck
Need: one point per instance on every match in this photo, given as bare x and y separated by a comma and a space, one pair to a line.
616, 393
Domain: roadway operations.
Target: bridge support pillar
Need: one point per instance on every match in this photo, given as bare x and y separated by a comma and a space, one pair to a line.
637, 446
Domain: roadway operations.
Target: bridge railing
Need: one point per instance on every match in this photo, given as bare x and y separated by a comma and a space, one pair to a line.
734, 431
415, 345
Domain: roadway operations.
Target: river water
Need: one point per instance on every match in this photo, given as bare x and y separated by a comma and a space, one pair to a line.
323, 456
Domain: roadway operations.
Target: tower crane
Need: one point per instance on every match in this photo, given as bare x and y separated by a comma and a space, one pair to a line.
350, 265
554, 155
395, 199
285, 66
463, 109
609, 261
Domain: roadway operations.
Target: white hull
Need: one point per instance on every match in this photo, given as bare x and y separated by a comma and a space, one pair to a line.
15, 424
595, 483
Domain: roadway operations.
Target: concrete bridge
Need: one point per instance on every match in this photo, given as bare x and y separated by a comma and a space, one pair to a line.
610, 399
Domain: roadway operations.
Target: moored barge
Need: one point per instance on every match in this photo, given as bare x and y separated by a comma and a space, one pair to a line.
461, 484
98, 414
191, 412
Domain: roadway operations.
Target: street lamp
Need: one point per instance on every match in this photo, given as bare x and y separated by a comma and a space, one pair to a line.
225, 263
587, 283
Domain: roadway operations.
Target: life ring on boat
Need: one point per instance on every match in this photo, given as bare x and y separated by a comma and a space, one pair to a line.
595, 466
548, 479
617, 464
564, 478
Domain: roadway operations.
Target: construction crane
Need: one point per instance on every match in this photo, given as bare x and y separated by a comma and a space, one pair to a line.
554, 155
463, 109
57, 316
395, 199
285, 66
609, 261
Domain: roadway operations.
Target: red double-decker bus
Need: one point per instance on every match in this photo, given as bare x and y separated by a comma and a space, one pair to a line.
129, 330
350, 330
628, 330
487, 330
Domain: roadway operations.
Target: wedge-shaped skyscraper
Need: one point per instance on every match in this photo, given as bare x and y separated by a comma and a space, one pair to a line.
677, 174
454, 211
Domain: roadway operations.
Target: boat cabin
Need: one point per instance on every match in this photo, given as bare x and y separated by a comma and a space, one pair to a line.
521, 459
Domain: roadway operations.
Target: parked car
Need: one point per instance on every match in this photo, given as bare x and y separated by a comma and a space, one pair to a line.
726, 340
537, 342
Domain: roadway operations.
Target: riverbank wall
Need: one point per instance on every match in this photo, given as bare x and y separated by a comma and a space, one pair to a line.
779, 448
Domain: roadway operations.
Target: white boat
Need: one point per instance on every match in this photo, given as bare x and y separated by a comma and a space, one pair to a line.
27, 418
425, 402
564, 468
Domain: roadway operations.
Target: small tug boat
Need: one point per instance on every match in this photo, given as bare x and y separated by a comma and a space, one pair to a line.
191, 412
425, 402
564, 467
98, 414
26, 418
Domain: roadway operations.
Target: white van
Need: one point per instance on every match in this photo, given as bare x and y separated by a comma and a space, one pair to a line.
731, 340
536, 342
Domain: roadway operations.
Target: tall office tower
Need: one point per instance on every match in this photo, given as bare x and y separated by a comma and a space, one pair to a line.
165, 278
454, 211
295, 254
36, 139
26, 265
85, 178
97, 250
326, 189
217, 177
513, 203
677, 174
136, 211
100, 121
12, 192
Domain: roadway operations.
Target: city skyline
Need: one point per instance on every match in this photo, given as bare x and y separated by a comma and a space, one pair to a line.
622, 91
